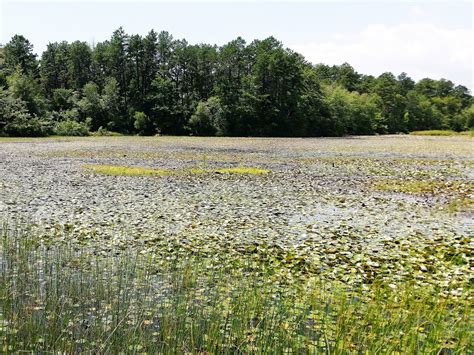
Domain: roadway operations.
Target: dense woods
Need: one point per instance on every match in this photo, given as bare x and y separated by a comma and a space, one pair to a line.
157, 84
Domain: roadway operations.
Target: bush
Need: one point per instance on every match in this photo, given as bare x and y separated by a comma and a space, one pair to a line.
142, 123
16, 120
72, 128
26, 126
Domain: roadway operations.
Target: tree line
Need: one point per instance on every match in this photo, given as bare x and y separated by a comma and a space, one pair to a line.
156, 84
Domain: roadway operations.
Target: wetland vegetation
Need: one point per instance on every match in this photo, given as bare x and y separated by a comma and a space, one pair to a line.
193, 245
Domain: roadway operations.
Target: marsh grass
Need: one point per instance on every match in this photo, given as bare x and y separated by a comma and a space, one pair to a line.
140, 171
441, 132
56, 297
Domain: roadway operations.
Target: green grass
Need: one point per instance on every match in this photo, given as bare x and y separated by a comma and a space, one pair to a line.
139, 171
440, 132
60, 297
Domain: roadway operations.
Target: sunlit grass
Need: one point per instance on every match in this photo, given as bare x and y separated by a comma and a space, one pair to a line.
139, 171
126, 170
440, 132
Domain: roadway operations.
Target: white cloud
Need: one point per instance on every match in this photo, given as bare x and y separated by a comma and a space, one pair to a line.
421, 50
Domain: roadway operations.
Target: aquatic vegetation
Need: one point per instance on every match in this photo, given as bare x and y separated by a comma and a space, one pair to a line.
241, 170
356, 245
126, 170
422, 186
59, 298
461, 204
138, 171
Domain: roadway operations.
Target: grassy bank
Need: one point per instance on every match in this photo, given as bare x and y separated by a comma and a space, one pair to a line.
440, 132
59, 297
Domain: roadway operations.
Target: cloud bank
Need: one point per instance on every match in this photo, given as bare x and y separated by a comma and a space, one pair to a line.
421, 50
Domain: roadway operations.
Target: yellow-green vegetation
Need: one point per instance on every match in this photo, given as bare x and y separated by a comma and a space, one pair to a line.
105, 133
241, 170
34, 139
467, 133
440, 132
126, 170
461, 204
139, 171
61, 299
422, 186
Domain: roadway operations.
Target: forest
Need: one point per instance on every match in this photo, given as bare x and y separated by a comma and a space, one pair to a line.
156, 84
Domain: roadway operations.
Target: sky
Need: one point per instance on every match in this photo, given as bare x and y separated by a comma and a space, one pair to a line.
424, 39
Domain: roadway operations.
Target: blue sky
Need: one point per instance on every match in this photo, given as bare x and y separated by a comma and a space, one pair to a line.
432, 39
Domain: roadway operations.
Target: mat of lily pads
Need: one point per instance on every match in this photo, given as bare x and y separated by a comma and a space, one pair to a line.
350, 209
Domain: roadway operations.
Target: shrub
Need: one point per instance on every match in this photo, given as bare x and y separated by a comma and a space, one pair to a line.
72, 128
16, 120
142, 123
24, 125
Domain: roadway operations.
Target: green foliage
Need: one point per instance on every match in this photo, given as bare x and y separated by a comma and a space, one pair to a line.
465, 119
18, 55
90, 104
63, 99
239, 89
16, 120
101, 107
79, 64
71, 128
25, 88
421, 113
142, 123
111, 103
276, 83
54, 69
68, 115
208, 120
58, 297
343, 75
353, 113
392, 103
24, 125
